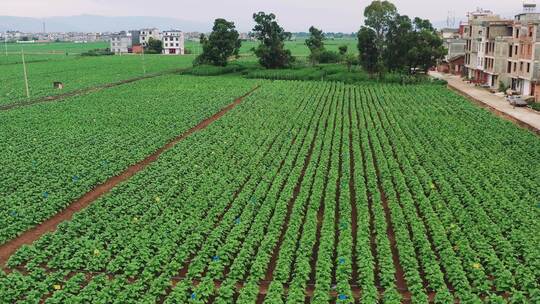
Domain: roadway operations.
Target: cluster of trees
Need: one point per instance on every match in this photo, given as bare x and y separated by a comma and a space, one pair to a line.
387, 42
224, 43
154, 46
319, 54
392, 42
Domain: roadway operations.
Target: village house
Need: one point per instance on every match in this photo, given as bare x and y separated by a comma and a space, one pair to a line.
453, 42
481, 33
524, 53
135, 41
146, 34
121, 43
173, 42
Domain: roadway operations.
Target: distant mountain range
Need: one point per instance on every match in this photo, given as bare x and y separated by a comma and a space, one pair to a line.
93, 23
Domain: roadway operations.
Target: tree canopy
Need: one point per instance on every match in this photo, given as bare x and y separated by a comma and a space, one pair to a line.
271, 51
368, 52
394, 42
315, 43
154, 46
220, 45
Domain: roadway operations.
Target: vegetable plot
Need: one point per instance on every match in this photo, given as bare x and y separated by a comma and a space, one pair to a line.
76, 72
319, 191
54, 153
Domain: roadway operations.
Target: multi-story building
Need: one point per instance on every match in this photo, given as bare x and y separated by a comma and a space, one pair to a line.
121, 43
482, 66
134, 41
523, 65
146, 34
494, 60
173, 42
455, 45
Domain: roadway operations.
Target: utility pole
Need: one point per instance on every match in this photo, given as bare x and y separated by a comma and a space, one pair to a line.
5, 42
25, 75
143, 62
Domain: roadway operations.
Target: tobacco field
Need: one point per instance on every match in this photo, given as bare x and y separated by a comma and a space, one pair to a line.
305, 192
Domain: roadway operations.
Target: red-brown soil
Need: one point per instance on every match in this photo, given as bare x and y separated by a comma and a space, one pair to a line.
28, 237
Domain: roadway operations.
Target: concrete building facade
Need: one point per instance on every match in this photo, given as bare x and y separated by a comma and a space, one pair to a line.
146, 34
524, 53
173, 42
485, 60
121, 43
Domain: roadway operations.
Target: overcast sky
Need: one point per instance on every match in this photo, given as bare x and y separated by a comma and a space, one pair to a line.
295, 15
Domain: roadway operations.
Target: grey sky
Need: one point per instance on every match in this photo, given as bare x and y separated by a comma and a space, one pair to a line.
295, 15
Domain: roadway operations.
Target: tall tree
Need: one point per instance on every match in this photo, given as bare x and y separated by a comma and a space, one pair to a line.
367, 47
154, 46
221, 44
379, 16
427, 46
271, 51
315, 42
399, 41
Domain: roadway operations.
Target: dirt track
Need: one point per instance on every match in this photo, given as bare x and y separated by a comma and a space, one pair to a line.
28, 237
84, 91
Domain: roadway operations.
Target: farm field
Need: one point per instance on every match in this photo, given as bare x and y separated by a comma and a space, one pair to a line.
322, 191
55, 47
55, 152
48, 63
78, 72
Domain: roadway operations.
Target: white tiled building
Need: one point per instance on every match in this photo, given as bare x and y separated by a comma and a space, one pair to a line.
146, 34
173, 42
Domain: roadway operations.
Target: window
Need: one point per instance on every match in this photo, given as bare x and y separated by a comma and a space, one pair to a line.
177, 44
509, 69
166, 44
515, 66
528, 67
515, 50
521, 66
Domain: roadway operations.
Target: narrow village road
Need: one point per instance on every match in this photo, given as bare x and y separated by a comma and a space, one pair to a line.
525, 115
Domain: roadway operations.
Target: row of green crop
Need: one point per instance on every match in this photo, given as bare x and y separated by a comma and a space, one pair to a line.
167, 201
77, 72
53, 153
309, 189
265, 227
501, 262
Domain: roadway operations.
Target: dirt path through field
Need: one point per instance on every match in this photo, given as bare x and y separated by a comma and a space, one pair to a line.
28, 237
83, 91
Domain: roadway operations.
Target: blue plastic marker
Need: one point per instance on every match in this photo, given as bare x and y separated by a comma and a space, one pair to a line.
342, 297
215, 258
341, 261
45, 194
237, 220
193, 296
75, 178
13, 213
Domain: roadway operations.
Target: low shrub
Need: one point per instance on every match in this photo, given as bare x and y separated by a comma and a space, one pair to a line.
98, 52
210, 70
